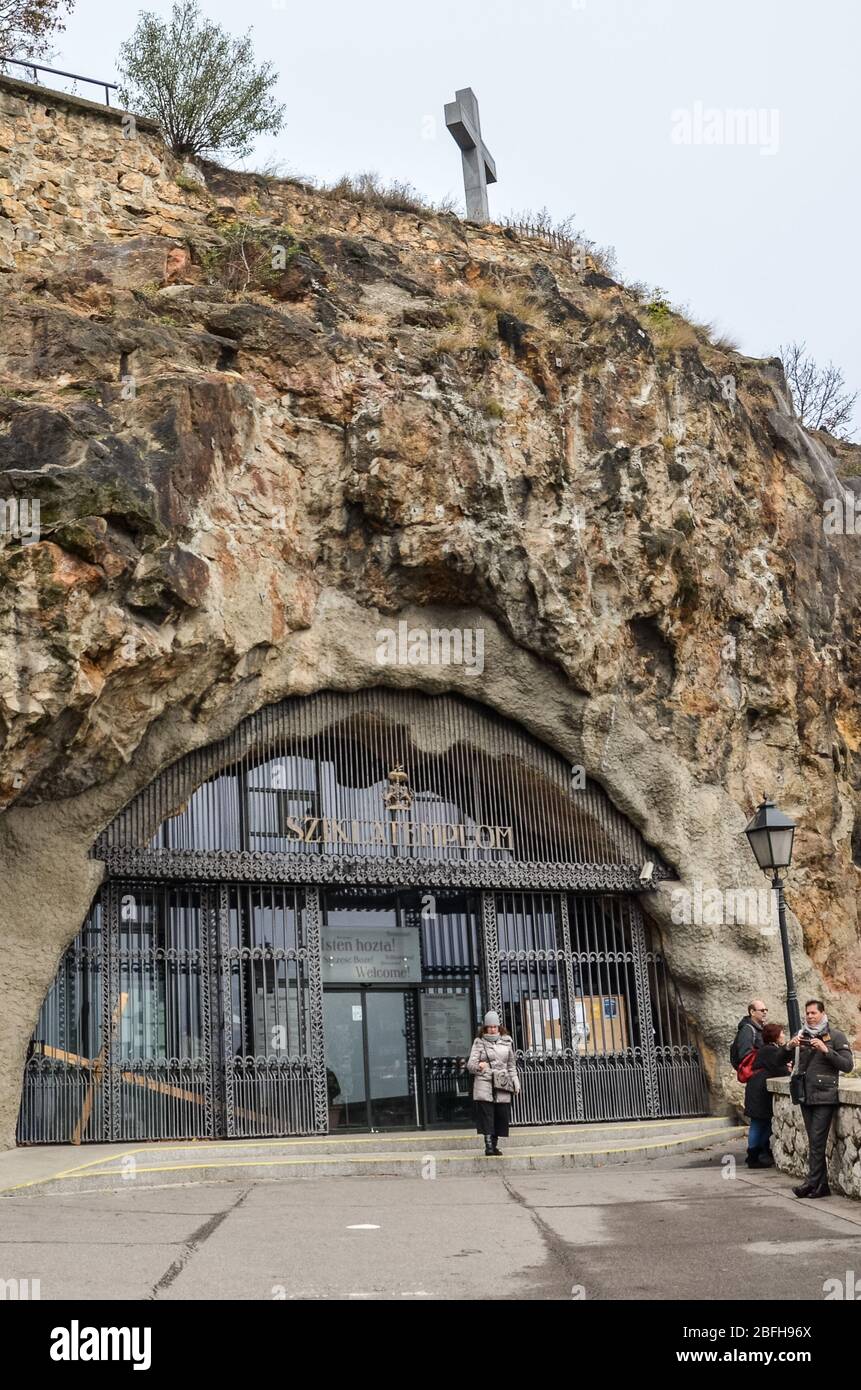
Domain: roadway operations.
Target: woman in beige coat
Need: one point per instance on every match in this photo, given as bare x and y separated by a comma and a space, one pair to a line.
492, 1051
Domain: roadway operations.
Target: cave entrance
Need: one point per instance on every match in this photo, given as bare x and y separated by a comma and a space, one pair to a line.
302, 925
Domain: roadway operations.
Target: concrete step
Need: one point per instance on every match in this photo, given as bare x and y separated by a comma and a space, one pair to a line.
429, 1153
463, 1139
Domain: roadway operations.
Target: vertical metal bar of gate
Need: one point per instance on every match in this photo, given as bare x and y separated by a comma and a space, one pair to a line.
226, 1031
490, 952
208, 985
570, 997
314, 964
644, 1007
110, 1081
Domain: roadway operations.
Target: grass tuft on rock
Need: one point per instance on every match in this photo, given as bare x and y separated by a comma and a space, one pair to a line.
397, 196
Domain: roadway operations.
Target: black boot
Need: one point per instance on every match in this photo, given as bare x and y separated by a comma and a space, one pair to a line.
495, 1149
752, 1159
765, 1157
488, 1145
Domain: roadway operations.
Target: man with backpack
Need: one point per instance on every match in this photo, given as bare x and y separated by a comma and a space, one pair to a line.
742, 1053
748, 1036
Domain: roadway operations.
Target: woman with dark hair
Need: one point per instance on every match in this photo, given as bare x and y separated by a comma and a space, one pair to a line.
492, 1063
772, 1059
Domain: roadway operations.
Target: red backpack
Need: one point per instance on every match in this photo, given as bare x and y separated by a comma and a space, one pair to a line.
745, 1069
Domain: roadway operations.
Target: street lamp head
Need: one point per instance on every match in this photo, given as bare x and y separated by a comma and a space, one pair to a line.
771, 834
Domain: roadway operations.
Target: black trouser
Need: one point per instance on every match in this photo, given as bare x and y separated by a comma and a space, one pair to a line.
491, 1117
817, 1122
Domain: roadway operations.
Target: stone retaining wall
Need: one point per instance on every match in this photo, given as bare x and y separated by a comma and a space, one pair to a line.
789, 1140
72, 171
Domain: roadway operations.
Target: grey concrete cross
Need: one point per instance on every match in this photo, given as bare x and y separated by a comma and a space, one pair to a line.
461, 117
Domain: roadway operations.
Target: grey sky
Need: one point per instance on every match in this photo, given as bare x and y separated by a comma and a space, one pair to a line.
577, 106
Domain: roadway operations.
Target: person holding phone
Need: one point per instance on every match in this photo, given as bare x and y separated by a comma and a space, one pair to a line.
822, 1053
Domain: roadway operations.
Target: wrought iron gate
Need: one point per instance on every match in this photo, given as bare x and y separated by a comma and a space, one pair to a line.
182, 1012
595, 1018
187, 1011
191, 1003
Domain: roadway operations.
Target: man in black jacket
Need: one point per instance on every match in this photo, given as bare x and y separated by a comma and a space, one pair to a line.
748, 1035
824, 1053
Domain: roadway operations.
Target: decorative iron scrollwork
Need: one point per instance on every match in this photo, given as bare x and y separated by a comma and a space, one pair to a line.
644, 1007
312, 944
490, 944
253, 866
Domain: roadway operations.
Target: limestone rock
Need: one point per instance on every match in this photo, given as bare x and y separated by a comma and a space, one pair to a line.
240, 468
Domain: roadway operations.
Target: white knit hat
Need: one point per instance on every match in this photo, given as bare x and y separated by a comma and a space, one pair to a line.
491, 1019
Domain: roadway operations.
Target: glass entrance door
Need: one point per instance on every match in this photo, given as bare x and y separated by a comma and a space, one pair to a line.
389, 1019
371, 1068
346, 1078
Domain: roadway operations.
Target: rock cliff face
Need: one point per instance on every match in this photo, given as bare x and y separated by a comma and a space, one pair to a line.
262, 422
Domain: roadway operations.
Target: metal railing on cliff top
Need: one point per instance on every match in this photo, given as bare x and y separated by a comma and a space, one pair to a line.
567, 245
58, 72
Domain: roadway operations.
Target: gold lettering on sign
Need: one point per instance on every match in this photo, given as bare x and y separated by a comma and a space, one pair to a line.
408, 834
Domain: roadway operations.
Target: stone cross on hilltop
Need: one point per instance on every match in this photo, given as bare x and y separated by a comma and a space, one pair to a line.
461, 117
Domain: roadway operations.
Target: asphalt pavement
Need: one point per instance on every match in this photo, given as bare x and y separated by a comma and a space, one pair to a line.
689, 1225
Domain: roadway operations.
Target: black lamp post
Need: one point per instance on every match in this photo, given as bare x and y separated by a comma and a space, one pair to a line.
771, 834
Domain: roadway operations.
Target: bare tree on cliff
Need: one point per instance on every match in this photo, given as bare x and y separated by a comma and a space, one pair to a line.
27, 26
818, 393
199, 83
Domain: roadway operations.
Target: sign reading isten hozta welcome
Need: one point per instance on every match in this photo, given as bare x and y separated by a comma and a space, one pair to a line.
370, 955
